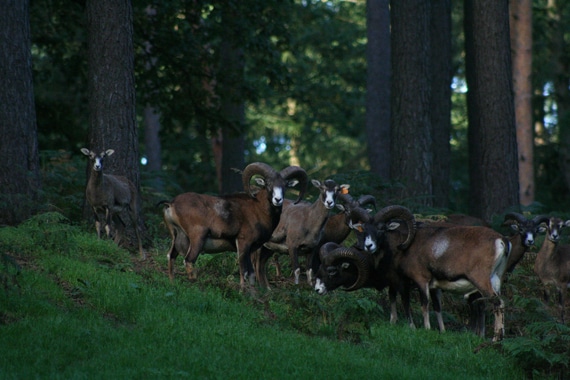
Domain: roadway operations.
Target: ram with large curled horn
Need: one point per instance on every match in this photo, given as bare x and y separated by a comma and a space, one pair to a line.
336, 229
240, 222
348, 269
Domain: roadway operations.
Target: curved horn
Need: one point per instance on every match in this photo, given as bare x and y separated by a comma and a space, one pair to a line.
359, 214
345, 198
359, 259
256, 168
540, 219
367, 200
325, 251
300, 174
398, 212
520, 218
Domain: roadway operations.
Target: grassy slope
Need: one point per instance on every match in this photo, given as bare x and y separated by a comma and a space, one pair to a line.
82, 308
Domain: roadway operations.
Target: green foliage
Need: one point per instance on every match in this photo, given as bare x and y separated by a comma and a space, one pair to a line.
59, 43
304, 87
324, 101
339, 316
544, 346
86, 308
64, 178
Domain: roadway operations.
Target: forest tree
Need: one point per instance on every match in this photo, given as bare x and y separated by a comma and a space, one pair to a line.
112, 123
20, 179
493, 169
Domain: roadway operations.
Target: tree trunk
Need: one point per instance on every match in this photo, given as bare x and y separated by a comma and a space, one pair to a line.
411, 131
561, 78
232, 109
441, 75
151, 120
20, 178
378, 86
296, 144
152, 145
493, 163
521, 41
112, 123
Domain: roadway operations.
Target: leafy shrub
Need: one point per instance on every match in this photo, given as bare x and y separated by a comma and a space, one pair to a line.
544, 346
64, 182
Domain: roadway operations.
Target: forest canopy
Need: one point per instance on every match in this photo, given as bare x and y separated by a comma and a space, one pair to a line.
304, 87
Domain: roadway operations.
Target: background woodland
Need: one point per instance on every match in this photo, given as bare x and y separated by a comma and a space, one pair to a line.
186, 91
439, 106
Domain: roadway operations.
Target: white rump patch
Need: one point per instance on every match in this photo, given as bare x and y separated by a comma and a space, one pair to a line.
500, 249
501, 256
496, 283
439, 247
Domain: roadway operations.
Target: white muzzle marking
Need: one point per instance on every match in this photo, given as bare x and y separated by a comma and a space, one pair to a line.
320, 287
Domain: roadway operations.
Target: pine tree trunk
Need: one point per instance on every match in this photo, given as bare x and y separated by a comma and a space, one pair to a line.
112, 122
521, 41
151, 120
493, 163
561, 77
378, 86
152, 145
411, 146
20, 180
232, 110
441, 75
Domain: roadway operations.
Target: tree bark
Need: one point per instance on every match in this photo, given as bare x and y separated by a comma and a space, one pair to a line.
20, 178
112, 122
441, 75
151, 119
232, 108
493, 163
561, 77
378, 86
411, 145
521, 41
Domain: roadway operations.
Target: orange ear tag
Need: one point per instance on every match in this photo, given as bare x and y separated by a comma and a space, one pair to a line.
344, 191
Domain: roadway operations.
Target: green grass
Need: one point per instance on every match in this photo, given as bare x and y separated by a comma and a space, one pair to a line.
74, 307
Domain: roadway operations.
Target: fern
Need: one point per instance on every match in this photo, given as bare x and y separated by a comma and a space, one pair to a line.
544, 346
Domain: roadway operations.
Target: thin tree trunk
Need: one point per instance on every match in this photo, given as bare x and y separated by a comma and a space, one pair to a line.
294, 152
378, 86
151, 119
521, 41
232, 109
441, 75
561, 78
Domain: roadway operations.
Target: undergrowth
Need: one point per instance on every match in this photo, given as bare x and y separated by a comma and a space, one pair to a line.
74, 306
